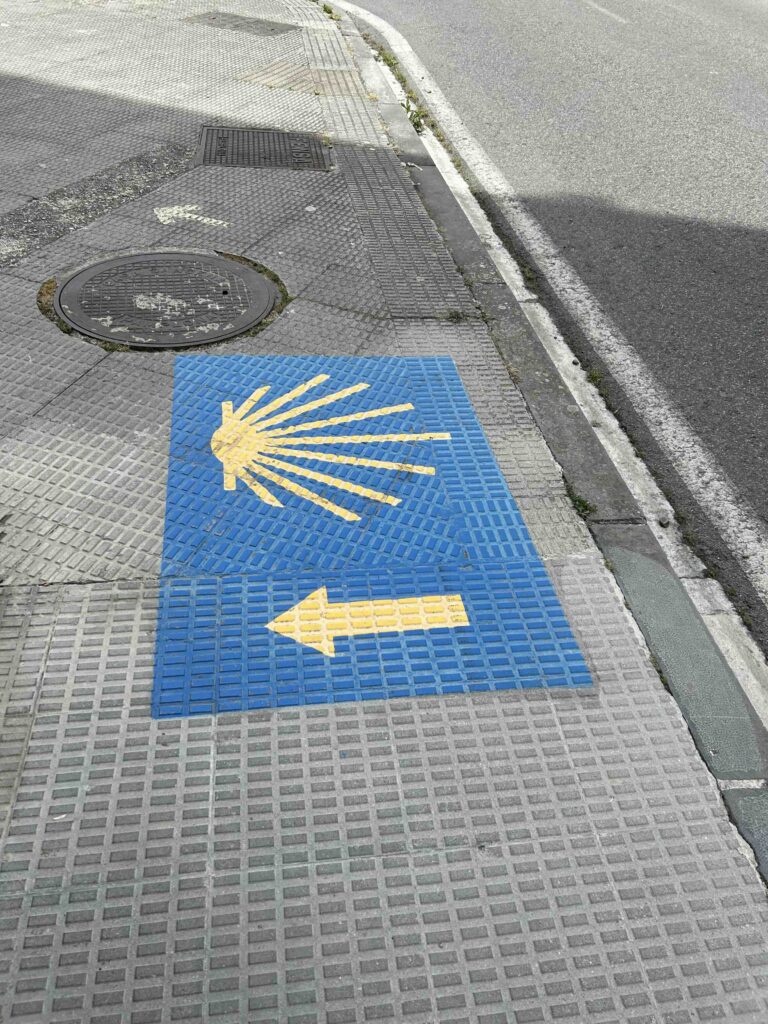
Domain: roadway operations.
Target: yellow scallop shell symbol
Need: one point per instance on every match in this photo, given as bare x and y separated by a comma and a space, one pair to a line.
254, 445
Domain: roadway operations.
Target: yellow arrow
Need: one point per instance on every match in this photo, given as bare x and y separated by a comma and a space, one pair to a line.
315, 622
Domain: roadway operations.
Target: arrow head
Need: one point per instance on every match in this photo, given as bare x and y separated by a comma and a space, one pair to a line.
307, 623
168, 214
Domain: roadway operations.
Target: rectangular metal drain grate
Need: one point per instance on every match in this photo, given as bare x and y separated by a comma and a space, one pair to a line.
237, 23
251, 147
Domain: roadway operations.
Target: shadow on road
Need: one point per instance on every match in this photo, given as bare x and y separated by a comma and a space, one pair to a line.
691, 298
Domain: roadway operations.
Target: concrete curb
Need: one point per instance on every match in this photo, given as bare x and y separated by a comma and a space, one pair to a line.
690, 662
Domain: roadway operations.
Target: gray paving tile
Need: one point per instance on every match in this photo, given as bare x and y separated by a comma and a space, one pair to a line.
79, 502
564, 853
554, 525
39, 361
352, 121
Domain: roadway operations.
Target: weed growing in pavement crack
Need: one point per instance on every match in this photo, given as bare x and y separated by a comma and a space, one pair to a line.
327, 9
660, 672
583, 507
416, 115
419, 116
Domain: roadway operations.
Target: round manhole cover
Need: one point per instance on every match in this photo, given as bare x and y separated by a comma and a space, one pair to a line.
165, 299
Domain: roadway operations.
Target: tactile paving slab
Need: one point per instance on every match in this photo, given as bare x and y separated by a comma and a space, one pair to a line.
478, 858
456, 512
417, 274
19, 676
338, 529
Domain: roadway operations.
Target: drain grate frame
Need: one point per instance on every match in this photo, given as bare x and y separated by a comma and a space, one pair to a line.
240, 23
165, 299
261, 147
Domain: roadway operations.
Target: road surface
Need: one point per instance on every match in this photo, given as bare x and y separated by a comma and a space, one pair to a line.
636, 132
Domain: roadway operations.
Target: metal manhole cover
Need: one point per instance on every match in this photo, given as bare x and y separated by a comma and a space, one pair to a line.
165, 299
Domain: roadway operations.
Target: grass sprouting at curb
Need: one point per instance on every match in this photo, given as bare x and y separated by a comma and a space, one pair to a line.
419, 117
583, 507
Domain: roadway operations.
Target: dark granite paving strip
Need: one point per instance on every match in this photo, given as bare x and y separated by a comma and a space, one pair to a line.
42, 221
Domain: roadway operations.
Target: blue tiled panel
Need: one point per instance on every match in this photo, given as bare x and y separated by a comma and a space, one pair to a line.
216, 654
232, 563
210, 531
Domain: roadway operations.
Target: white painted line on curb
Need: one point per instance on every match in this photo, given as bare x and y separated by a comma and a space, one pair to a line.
725, 626
603, 10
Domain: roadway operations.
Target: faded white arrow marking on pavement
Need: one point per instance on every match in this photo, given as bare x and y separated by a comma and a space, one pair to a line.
169, 214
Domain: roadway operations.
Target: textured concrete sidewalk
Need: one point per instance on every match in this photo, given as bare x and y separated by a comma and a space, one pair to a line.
556, 854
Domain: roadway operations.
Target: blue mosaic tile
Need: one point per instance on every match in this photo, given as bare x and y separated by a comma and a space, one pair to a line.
232, 563
217, 654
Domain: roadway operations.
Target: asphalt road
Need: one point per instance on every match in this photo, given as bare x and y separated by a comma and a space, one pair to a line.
636, 132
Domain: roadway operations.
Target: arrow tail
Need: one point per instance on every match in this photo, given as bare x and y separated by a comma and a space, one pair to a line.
437, 611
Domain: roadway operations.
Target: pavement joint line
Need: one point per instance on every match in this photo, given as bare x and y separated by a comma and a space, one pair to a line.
740, 652
619, 520
72, 383
5, 815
